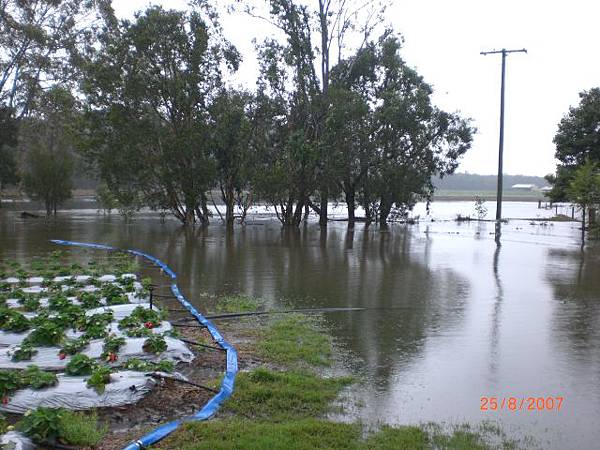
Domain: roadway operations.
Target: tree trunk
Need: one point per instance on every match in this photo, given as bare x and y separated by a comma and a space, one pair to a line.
229, 205
351, 204
386, 207
583, 227
323, 207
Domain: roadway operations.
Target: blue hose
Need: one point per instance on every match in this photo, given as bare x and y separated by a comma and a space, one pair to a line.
227, 385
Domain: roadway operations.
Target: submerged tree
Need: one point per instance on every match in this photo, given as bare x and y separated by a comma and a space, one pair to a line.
149, 88
231, 134
298, 71
584, 191
8, 142
48, 142
577, 142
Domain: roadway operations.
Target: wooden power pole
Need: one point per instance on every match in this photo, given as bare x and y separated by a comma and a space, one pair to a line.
504, 52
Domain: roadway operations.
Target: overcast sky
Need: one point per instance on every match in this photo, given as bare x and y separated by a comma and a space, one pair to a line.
443, 40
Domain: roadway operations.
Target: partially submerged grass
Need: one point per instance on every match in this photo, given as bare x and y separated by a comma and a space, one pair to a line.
310, 433
238, 303
294, 340
277, 396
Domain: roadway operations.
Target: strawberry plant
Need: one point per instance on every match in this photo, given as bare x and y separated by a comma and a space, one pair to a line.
89, 300
41, 425
58, 302
155, 344
138, 332
99, 379
46, 335
111, 347
141, 316
11, 320
80, 364
23, 353
30, 303
147, 366
73, 346
10, 381
36, 378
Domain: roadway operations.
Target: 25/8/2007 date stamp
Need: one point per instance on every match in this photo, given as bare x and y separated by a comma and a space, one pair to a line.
514, 404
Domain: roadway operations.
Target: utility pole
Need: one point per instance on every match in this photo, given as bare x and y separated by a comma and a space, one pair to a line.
504, 52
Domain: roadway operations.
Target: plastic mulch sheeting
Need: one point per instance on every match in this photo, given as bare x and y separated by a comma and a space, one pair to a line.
16, 441
125, 387
47, 357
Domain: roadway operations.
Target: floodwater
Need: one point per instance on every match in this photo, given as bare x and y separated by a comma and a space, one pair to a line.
451, 318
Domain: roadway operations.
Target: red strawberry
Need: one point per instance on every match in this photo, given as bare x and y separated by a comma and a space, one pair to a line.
62, 355
5, 400
149, 325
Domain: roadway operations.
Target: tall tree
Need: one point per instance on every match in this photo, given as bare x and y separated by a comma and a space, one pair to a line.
584, 190
577, 141
48, 142
8, 143
231, 136
39, 40
149, 88
314, 37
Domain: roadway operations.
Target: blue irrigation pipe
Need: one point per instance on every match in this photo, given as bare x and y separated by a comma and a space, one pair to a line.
227, 385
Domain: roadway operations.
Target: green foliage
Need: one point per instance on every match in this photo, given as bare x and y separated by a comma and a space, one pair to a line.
36, 378
10, 381
238, 303
140, 316
114, 295
174, 136
95, 326
99, 378
584, 188
24, 352
47, 334
147, 366
80, 429
279, 396
49, 144
40, 425
112, 344
30, 303
14, 321
155, 344
73, 346
79, 365
297, 340
576, 142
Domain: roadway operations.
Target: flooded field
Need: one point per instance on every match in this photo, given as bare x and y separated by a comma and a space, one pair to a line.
450, 316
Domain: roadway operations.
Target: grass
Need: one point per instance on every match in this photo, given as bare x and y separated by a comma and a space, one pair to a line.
238, 303
310, 433
295, 340
278, 396
81, 429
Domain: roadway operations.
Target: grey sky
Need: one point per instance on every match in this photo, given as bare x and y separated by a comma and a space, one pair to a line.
443, 40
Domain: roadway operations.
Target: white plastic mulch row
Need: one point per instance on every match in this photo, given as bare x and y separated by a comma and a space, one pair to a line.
125, 387
77, 278
8, 338
47, 357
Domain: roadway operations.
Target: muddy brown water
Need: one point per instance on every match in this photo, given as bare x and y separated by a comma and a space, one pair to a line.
451, 316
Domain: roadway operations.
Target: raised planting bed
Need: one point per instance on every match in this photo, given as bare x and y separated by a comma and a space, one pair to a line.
77, 336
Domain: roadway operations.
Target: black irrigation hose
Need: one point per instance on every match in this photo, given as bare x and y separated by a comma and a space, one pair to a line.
188, 341
179, 380
187, 326
287, 311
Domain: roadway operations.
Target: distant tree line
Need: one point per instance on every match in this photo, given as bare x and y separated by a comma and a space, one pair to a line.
474, 182
147, 105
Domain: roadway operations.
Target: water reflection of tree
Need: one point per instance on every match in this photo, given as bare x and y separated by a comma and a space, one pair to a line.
338, 267
575, 279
